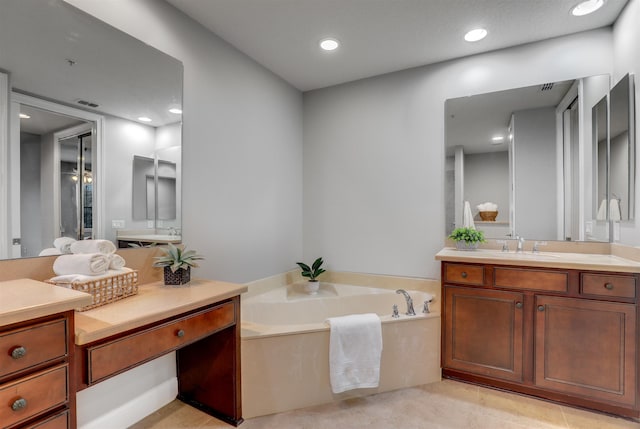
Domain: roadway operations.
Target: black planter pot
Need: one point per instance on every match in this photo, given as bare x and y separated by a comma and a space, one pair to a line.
181, 276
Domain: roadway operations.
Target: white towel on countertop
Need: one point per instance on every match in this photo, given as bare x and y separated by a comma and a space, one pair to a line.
90, 264
70, 278
50, 251
467, 216
355, 349
116, 262
93, 246
63, 244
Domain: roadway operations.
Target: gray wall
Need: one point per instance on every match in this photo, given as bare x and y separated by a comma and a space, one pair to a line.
535, 178
30, 209
486, 179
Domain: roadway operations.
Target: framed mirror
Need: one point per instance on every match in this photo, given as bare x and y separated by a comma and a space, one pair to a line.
522, 150
59, 62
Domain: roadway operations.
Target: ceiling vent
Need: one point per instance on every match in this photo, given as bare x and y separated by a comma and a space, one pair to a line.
546, 87
87, 103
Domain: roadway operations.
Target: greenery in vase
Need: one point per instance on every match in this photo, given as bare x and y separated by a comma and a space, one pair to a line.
468, 235
176, 258
313, 271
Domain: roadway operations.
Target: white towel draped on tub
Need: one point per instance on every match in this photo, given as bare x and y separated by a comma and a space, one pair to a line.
89, 264
355, 349
93, 246
467, 216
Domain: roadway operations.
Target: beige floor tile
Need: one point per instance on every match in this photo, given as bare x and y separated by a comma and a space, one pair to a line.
444, 405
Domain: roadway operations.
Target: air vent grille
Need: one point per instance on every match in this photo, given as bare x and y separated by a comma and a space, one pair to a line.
546, 87
87, 103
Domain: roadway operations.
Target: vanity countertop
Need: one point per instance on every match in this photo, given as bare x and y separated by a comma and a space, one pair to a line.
154, 302
25, 299
590, 261
156, 238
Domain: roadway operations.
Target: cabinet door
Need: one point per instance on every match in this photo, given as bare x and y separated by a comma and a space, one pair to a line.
483, 332
586, 348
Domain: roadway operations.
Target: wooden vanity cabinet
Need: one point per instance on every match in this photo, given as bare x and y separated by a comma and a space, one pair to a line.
35, 382
566, 335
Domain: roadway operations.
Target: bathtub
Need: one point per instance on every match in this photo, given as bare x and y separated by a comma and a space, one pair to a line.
285, 344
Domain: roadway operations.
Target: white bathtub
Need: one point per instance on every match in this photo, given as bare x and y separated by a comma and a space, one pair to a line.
285, 344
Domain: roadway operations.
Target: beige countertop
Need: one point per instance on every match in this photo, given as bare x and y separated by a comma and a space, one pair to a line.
580, 261
154, 302
25, 299
155, 238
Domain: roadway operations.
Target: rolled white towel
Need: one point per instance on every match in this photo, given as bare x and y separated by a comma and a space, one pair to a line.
89, 264
105, 247
70, 278
63, 244
50, 251
116, 262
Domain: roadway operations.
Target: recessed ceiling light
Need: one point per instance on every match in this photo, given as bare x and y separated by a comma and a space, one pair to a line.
175, 110
587, 7
497, 139
475, 35
144, 119
24, 116
329, 44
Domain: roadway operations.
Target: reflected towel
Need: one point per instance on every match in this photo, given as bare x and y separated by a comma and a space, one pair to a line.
63, 244
105, 247
89, 264
116, 262
355, 349
50, 251
614, 209
70, 278
467, 216
602, 211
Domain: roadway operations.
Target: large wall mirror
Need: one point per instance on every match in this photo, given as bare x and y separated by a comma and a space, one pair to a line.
528, 151
78, 101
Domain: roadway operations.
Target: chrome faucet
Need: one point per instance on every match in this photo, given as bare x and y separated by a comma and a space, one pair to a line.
407, 297
519, 244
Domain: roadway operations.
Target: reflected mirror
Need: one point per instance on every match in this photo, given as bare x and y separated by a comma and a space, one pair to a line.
520, 150
91, 97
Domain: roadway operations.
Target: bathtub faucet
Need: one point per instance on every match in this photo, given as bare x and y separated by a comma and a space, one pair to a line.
410, 310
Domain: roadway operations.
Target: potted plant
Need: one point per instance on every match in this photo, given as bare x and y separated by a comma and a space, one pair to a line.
467, 238
177, 264
312, 285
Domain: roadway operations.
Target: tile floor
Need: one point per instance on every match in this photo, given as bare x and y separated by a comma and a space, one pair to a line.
444, 405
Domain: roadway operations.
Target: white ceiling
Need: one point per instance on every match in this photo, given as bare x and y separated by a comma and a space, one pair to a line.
380, 36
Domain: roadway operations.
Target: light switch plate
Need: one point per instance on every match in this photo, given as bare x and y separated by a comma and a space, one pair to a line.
117, 224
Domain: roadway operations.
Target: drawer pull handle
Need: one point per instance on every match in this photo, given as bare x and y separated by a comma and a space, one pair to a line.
541, 308
463, 274
608, 286
518, 304
18, 352
180, 333
19, 404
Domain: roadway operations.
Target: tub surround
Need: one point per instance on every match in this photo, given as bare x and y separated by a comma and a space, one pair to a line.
535, 318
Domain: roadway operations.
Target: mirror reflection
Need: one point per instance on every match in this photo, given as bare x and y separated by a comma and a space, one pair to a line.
526, 151
90, 97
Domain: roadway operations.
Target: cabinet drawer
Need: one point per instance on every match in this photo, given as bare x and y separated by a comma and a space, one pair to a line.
30, 396
115, 356
23, 348
59, 421
608, 285
466, 274
518, 278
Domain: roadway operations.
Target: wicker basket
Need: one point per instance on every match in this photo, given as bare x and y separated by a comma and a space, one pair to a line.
488, 216
105, 290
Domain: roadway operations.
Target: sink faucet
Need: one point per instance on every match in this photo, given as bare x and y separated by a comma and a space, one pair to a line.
407, 297
519, 244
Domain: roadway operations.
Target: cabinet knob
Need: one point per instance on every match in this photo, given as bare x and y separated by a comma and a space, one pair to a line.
463, 274
518, 304
608, 286
541, 308
18, 352
180, 333
19, 404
